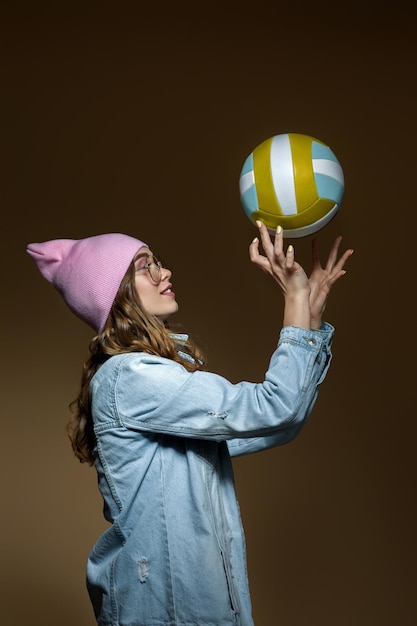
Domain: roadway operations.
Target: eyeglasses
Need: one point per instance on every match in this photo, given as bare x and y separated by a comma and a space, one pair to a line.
154, 267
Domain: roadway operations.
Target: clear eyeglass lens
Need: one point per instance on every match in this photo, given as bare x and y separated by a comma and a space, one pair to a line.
154, 267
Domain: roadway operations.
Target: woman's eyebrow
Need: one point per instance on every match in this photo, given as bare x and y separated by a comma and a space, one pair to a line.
143, 255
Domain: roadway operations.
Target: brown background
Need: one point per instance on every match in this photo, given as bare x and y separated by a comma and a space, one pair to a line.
138, 120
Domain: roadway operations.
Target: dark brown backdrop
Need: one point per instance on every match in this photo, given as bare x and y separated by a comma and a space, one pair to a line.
138, 120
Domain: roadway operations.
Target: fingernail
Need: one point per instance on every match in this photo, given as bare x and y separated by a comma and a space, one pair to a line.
290, 248
258, 223
255, 240
279, 229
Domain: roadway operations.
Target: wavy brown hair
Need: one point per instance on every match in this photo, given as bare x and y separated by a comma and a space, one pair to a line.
129, 328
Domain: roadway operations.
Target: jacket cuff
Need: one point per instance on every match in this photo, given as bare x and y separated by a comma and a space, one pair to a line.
321, 337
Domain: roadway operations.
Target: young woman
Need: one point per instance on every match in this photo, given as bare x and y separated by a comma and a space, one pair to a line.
161, 430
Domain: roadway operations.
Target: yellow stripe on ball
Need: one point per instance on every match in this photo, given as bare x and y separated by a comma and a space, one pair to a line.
263, 176
305, 186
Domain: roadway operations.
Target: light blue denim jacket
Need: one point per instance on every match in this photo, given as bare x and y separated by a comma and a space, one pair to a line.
174, 554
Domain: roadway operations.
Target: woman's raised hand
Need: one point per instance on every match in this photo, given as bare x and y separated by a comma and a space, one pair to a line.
305, 297
287, 272
283, 267
322, 279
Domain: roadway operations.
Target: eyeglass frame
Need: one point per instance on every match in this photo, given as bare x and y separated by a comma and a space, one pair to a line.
154, 263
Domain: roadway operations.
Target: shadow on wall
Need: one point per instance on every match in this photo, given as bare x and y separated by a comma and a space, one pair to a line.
34, 601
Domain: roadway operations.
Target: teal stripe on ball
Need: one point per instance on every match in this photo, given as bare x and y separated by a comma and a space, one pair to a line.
322, 152
248, 165
247, 186
328, 187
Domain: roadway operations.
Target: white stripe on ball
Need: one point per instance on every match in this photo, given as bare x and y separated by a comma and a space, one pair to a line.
283, 174
328, 168
246, 181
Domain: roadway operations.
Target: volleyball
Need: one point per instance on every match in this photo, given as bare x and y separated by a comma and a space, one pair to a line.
294, 181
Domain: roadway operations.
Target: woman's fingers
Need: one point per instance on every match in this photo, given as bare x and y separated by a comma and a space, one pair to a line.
289, 261
256, 257
281, 265
340, 264
274, 250
333, 266
279, 241
331, 261
265, 237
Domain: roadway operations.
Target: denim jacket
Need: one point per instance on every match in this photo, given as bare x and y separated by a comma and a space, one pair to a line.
174, 553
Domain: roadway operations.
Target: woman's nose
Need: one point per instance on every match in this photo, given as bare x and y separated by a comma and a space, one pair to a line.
165, 273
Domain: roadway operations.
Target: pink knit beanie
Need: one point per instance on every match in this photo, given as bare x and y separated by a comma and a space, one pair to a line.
87, 272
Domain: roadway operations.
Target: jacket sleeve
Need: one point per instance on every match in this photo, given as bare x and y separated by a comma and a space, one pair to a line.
154, 394
239, 447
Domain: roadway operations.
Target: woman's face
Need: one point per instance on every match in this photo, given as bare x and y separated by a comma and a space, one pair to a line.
153, 285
